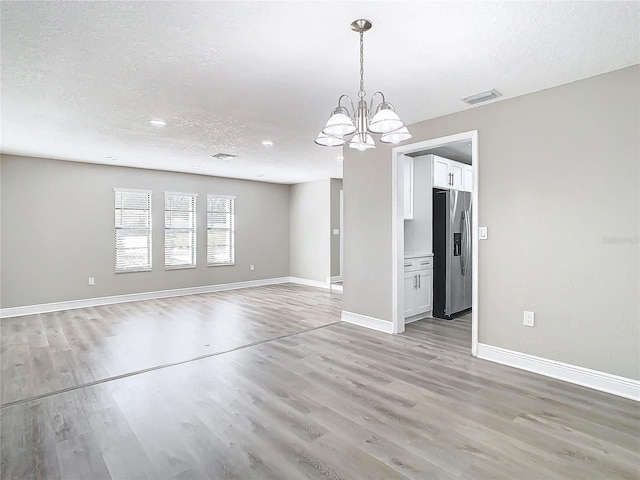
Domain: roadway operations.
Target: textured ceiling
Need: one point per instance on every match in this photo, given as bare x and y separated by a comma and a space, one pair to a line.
81, 79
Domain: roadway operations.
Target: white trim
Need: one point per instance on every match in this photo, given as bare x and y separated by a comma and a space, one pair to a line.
368, 322
134, 190
397, 230
233, 197
341, 232
604, 382
134, 297
397, 241
337, 278
185, 194
475, 261
310, 283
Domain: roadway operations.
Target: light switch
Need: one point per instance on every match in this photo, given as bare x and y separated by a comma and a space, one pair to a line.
336, 231
92, 280
482, 233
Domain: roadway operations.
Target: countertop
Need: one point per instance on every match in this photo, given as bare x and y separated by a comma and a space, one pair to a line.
416, 255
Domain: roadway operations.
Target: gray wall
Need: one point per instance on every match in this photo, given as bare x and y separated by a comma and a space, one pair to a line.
418, 231
558, 190
310, 230
367, 232
58, 229
336, 187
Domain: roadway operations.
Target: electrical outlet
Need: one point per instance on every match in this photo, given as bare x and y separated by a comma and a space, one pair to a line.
252, 267
336, 231
92, 280
529, 318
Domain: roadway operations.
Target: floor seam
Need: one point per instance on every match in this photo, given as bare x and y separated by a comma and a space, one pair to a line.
158, 367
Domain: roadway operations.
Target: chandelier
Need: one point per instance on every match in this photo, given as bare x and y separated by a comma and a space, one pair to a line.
344, 122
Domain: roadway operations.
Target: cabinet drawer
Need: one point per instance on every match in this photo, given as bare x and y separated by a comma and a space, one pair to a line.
423, 263
410, 264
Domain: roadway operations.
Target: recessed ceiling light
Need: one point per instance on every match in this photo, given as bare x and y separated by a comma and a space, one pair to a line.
260, 175
340, 158
156, 122
267, 143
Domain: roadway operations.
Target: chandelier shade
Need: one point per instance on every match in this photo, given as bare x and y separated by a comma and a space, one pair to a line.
396, 136
344, 122
329, 140
339, 124
362, 141
385, 121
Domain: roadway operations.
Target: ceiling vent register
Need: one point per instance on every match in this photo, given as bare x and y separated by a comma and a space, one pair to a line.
224, 156
482, 97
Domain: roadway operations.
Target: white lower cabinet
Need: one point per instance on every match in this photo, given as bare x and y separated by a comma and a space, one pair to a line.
422, 298
418, 286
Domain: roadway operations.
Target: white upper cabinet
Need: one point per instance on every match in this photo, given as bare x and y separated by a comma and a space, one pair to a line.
451, 175
408, 188
456, 170
468, 178
440, 172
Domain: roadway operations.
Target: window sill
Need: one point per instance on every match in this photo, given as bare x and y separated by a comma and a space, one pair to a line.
181, 267
133, 271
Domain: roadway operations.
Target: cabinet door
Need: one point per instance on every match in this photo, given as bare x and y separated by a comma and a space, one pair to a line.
441, 172
423, 297
468, 178
457, 175
408, 188
410, 284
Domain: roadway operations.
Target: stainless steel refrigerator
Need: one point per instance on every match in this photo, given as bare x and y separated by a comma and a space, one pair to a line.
451, 253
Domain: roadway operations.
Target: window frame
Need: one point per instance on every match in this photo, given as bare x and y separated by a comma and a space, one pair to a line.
231, 230
193, 230
148, 230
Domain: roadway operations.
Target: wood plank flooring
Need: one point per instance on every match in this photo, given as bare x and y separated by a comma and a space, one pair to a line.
295, 395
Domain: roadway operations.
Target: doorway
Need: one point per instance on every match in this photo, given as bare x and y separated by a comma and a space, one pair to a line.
398, 230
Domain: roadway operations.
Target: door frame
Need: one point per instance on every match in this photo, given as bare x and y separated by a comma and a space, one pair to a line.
397, 231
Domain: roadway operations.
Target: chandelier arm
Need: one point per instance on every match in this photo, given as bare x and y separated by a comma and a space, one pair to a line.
377, 106
353, 110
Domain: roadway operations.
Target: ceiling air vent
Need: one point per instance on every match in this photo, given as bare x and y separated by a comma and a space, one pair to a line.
482, 97
224, 156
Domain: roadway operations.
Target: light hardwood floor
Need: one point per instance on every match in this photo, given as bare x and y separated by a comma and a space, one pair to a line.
264, 383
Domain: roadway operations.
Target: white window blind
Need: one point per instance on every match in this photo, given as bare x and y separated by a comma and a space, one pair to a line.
179, 230
132, 230
220, 233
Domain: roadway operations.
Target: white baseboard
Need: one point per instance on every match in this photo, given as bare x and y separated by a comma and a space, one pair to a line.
368, 322
133, 297
310, 283
335, 279
604, 382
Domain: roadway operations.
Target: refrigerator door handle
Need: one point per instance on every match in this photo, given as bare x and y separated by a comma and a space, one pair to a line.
465, 228
467, 245
463, 256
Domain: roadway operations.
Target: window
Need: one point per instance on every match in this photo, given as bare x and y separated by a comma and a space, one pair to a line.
220, 236
133, 230
179, 230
